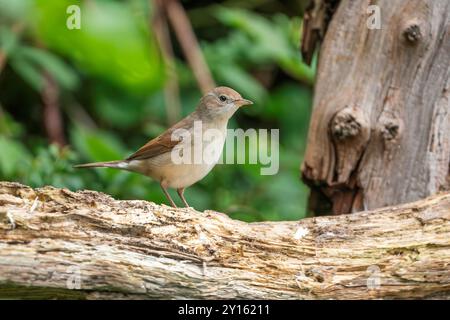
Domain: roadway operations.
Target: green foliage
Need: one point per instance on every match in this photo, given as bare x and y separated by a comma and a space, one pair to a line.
110, 76
113, 42
13, 155
29, 62
267, 41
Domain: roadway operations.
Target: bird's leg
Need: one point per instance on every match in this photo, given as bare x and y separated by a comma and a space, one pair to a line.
164, 189
181, 194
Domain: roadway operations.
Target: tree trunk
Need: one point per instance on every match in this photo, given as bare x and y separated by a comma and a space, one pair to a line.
55, 243
380, 128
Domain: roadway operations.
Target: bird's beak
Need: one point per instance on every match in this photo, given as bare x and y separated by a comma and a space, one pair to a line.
243, 102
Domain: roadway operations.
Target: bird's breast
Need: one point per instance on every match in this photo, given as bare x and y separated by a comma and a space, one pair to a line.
188, 162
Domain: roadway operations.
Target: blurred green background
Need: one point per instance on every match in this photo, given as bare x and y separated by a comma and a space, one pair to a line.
106, 82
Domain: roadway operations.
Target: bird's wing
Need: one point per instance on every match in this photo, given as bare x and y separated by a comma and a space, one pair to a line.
161, 144
155, 147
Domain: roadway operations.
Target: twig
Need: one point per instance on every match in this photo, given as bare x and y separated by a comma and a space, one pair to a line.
52, 115
189, 44
2, 60
77, 114
171, 89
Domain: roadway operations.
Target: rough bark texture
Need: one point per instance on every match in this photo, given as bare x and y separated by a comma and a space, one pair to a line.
380, 128
317, 16
105, 248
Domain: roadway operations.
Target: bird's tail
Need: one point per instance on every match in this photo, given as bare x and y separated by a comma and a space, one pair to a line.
121, 164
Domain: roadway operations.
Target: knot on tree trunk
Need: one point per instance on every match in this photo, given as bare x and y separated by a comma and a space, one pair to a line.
398, 75
412, 32
348, 123
350, 130
390, 127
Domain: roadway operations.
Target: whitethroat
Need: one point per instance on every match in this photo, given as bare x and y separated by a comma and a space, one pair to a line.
178, 157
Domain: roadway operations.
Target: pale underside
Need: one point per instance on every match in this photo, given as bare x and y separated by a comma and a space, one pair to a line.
167, 170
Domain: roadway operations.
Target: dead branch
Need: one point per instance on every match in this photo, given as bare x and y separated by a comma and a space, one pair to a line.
52, 116
88, 245
171, 88
191, 49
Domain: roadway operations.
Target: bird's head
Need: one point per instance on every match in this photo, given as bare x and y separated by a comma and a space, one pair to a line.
222, 102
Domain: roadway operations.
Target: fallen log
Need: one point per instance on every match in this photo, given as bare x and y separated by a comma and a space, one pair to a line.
55, 243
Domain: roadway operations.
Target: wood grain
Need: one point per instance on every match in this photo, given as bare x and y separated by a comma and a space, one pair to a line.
140, 250
380, 128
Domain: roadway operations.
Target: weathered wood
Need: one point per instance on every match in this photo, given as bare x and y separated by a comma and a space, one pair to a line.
137, 249
317, 16
380, 128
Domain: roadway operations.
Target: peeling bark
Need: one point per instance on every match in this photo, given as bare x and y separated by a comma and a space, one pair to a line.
87, 245
380, 128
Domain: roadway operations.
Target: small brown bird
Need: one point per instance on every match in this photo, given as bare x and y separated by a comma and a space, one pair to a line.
186, 152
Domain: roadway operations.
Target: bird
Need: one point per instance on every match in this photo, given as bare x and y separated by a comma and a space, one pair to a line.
168, 158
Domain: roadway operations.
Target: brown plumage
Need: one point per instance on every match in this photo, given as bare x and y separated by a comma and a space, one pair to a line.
155, 158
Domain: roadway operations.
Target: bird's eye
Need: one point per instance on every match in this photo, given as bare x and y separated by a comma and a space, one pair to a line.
222, 98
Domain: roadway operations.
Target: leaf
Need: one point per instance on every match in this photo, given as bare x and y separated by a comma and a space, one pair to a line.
270, 40
16, 9
28, 71
13, 155
8, 126
121, 111
111, 44
263, 32
8, 40
30, 64
44, 60
97, 145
